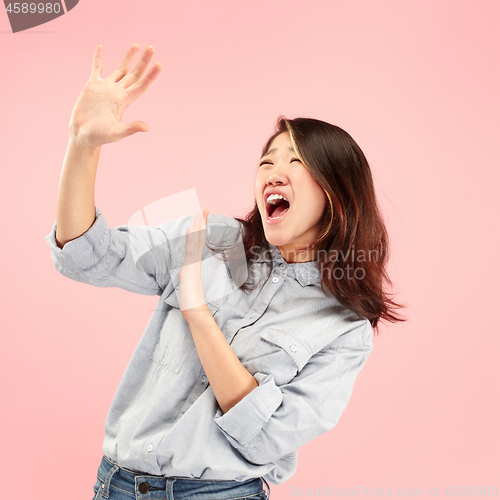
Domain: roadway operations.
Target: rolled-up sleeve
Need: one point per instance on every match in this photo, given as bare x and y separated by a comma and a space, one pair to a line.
273, 421
128, 257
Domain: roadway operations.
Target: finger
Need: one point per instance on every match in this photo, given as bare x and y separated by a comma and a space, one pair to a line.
196, 228
122, 130
206, 211
201, 220
97, 63
196, 222
139, 68
137, 126
139, 87
125, 63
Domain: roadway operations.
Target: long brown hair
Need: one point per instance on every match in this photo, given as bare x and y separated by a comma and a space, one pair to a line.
351, 230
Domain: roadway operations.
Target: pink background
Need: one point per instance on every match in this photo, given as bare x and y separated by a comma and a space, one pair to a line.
415, 82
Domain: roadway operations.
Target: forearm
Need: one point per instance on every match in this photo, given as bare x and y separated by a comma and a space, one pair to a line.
75, 198
229, 379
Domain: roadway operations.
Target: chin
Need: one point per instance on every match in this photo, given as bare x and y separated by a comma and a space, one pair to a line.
276, 239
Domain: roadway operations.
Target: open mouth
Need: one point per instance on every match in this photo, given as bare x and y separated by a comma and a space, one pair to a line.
276, 206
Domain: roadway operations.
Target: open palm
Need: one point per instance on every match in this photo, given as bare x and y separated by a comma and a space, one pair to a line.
96, 117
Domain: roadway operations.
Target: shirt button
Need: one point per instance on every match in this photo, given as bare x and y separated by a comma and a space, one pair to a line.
293, 348
252, 315
282, 266
275, 279
150, 448
203, 379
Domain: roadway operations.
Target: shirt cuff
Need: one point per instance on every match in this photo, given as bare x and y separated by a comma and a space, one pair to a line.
86, 250
246, 418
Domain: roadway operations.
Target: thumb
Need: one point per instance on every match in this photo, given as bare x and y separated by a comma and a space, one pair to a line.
137, 126
125, 129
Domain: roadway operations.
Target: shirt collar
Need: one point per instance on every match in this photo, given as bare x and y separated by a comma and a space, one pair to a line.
306, 273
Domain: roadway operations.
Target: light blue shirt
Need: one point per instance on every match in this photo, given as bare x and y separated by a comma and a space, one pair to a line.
304, 349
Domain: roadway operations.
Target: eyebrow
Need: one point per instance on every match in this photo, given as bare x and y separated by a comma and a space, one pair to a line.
275, 149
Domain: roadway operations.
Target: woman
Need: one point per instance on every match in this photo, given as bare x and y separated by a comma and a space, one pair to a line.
240, 365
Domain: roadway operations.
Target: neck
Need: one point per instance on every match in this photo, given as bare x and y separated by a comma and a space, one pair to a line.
295, 255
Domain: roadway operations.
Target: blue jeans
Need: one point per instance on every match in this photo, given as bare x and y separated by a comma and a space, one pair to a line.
115, 483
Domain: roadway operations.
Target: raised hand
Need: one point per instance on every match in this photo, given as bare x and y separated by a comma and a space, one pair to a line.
191, 300
97, 113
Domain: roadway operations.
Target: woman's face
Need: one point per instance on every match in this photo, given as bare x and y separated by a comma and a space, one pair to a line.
290, 225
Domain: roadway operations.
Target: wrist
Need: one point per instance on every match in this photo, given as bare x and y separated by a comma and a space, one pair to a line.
197, 314
77, 141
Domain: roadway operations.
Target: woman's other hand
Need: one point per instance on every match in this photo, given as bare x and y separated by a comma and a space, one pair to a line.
191, 298
97, 113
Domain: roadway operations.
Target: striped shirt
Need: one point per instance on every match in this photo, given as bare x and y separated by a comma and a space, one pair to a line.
304, 349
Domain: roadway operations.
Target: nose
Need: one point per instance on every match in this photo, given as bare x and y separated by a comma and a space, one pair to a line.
276, 177
274, 182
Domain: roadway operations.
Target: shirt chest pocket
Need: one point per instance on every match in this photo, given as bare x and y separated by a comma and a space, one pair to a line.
278, 353
175, 343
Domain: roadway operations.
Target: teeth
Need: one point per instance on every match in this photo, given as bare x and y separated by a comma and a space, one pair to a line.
271, 199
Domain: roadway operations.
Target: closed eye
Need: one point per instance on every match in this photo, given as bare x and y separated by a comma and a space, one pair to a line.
268, 162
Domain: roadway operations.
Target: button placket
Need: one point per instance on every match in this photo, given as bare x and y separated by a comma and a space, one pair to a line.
293, 346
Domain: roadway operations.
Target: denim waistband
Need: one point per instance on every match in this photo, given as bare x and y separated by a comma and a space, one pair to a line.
144, 486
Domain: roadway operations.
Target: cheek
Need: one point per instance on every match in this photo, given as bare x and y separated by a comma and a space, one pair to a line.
316, 196
323, 202
318, 205
258, 189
